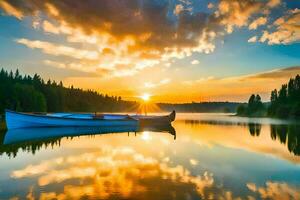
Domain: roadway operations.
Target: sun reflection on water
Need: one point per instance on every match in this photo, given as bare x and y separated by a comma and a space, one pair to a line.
146, 136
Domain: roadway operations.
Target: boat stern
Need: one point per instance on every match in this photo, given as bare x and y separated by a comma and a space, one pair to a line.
172, 116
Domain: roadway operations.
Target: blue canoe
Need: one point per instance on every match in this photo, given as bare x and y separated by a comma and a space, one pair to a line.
15, 120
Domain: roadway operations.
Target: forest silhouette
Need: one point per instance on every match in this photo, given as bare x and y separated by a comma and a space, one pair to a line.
33, 94
284, 103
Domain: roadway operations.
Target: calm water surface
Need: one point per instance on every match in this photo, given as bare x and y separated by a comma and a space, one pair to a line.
211, 156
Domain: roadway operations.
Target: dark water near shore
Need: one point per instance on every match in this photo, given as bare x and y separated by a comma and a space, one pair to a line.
211, 156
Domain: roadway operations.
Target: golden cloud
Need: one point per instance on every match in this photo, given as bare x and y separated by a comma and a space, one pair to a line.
137, 34
123, 19
56, 49
253, 39
235, 13
178, 9
154, 85
287, 29
10, 10
273, 3
258, 22
195, 62
284, 73
210, 5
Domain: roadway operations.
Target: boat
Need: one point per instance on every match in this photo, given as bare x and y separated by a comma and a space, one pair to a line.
152, 120
15, 120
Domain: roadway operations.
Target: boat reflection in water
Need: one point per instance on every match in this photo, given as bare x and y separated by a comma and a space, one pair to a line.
33, 139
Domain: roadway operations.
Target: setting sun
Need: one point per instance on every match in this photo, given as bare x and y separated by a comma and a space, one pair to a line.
145, 97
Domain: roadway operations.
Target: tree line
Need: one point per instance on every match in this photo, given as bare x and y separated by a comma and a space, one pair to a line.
284, 103
33, 94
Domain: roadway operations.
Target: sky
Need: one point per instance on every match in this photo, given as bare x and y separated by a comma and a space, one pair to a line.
175, 50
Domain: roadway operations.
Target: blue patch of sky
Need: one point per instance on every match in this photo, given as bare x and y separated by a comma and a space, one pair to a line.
238, 57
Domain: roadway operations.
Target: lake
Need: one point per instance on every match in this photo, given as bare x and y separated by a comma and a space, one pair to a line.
203, 156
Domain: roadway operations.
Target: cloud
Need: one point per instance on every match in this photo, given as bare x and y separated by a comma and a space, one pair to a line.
57, 50
235, 13
124, 19
201, 80
273, 3
168, 64
253, 39
244, 85
210, 5
193, 162
10, 10
274, 74
251, 186
154, 85
50, 28
195, 62
137, 34
187, 2
258, 22
79, 66
178, 9
287, 30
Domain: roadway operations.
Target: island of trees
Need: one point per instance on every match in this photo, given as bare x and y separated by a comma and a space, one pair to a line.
284, 103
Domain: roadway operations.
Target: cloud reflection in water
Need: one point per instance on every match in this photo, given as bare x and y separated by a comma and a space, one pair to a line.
119, 172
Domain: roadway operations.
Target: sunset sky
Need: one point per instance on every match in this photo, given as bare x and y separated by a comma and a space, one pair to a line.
175, 50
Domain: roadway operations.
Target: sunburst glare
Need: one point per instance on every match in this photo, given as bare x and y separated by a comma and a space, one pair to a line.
145, 97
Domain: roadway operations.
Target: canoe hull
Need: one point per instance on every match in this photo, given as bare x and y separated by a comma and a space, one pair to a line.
15, 120
157, 120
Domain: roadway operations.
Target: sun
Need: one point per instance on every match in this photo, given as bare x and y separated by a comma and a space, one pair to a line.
145, 97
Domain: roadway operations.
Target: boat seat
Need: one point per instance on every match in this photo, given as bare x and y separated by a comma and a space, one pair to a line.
38, 113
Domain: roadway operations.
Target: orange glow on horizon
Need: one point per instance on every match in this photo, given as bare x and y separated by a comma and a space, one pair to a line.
179, 91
